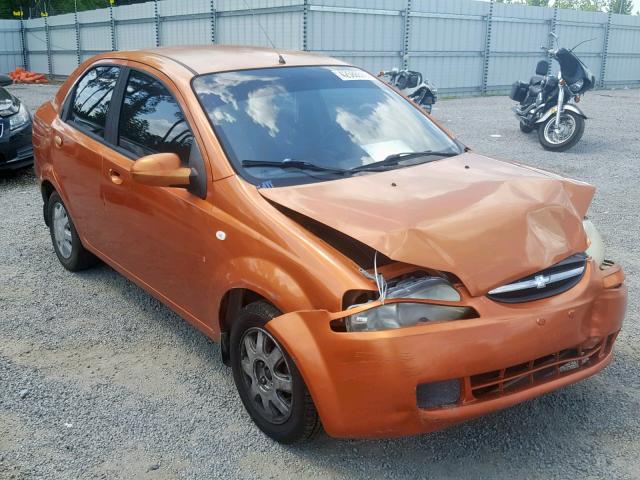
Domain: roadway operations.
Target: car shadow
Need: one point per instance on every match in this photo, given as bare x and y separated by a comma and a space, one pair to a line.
152, 311
513, 440
25, 173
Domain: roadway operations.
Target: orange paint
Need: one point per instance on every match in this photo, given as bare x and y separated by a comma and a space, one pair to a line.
485, 222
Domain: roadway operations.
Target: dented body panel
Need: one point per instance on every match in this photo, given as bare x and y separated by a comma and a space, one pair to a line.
364, 384
454, 215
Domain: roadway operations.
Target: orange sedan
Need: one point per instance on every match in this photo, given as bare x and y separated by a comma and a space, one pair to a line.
362, 269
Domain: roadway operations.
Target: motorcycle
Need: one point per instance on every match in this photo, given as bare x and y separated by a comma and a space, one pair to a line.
548, 102
412, 84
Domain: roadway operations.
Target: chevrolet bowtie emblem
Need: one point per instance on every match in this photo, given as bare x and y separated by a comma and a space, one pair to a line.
541, 281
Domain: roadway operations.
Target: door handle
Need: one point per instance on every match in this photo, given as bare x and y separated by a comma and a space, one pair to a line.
115, 176
57, 139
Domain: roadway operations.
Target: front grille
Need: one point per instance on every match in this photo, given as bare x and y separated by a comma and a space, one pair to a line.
24, 153
497, 383
540, 370
556, 279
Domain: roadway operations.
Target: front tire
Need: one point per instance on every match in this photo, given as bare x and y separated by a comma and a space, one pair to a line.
268, 381
66, 242
566, 136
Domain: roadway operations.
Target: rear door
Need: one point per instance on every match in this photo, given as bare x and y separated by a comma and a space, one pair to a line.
78, 144
158, 235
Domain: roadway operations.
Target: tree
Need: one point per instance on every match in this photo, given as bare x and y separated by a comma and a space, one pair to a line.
591, 5
34, 8
625, 7
532, 3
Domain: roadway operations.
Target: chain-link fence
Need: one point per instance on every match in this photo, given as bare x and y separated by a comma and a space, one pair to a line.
464, 46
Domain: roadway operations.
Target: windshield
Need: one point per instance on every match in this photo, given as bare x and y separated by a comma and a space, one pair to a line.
573, 69
333, 119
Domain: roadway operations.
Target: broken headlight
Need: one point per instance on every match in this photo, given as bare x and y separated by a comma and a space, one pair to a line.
396, 315
596, 245
407, 314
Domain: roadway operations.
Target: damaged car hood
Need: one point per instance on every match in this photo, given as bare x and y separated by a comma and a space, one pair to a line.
486, 221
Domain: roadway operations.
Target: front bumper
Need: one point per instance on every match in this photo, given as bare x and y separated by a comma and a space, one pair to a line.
365, 384
18, 151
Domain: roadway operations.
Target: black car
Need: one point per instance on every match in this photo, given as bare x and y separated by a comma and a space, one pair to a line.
16, 150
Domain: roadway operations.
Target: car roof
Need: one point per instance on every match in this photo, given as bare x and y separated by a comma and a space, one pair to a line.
221, 58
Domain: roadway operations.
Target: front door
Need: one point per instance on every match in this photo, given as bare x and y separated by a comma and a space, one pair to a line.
156, 232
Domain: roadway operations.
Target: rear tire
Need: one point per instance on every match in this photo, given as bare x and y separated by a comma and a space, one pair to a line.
66, 242
524, 128
289, 415
553, 141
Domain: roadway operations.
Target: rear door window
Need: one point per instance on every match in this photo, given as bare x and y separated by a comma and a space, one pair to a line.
151, 120
92, 98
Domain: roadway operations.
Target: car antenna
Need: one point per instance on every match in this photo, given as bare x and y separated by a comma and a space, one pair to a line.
281, 59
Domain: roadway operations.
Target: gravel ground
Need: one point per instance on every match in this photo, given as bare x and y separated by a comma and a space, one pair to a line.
99, 380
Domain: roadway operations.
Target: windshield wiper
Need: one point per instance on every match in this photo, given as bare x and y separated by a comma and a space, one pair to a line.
391, 160
396, 158
299, 164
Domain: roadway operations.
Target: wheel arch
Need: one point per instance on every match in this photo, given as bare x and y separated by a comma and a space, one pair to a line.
46, 189
232, 302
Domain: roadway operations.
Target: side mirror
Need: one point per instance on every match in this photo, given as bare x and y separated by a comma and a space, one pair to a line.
161, 170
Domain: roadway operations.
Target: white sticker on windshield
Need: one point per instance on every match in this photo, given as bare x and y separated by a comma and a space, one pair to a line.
350, 74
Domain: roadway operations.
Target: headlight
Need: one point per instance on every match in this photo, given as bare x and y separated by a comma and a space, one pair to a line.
596, 245
406, 314
20, 118
396, 315
577, 86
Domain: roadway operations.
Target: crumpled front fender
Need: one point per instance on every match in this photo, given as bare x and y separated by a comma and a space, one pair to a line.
331, 364
364, 383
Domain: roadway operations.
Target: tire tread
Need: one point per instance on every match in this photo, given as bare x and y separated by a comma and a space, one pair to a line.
81, 258
580, 125
310, 424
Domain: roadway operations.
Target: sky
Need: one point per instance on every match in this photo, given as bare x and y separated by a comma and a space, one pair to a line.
636, 6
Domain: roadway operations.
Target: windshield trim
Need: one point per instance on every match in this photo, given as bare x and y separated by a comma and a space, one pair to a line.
303, 178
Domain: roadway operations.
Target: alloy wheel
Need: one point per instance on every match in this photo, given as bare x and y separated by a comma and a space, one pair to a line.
563, 132
62, 230
266, 375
